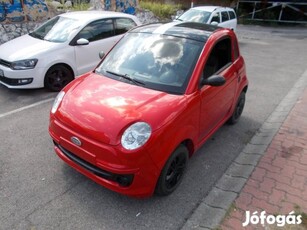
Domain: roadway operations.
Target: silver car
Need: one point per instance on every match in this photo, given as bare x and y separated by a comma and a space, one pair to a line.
214, 15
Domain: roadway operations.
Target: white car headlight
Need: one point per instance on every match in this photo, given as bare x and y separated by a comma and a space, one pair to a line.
57, 101
136, 135
24, 64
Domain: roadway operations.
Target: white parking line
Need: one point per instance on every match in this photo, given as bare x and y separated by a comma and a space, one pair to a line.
25, 107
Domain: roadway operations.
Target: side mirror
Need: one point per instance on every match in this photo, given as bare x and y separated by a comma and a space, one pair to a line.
101, 54
82, 42
214, 23
214, 80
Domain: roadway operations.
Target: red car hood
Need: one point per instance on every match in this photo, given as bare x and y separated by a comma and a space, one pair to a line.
102, 108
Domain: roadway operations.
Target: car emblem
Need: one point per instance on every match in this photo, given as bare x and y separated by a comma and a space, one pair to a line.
76, 141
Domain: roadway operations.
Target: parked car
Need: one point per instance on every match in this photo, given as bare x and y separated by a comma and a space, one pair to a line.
162, 91
61, 49
215, 15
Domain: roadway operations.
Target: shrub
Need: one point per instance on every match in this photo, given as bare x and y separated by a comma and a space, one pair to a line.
163, 11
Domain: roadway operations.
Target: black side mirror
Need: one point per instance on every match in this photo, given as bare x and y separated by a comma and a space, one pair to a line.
214, 80
101, 54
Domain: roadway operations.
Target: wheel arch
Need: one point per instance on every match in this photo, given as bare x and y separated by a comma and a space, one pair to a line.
245, 89
58, 65
171, 141
188, 143
63, 64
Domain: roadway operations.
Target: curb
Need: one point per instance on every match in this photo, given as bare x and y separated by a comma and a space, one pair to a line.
213, 208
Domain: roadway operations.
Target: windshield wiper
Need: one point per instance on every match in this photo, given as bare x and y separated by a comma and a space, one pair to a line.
127, 77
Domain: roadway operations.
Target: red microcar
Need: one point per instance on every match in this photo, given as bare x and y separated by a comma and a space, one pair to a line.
132, 124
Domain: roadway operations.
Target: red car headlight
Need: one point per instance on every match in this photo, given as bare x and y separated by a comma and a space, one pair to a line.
57, 101
136, 135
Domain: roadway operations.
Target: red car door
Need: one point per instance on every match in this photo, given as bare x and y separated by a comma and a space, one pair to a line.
216, 101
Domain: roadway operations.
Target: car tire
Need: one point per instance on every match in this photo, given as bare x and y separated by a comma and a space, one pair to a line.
57, 77
238, 109
173, 171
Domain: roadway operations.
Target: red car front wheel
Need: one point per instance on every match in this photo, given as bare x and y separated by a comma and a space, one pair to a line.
173, 171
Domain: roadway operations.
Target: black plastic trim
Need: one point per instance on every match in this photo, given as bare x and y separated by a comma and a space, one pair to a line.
123, 180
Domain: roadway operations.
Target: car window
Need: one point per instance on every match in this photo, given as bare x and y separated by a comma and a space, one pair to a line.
97, 30
122, 25
225, 16
57, 29
216, 17
159, 62
193, 15
219, 57
232, 14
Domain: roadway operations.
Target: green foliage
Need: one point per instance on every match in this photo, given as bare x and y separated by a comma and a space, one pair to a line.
80, 6
77, 6
160, 10
298, 211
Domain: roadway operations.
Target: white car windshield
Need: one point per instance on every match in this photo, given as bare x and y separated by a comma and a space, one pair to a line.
57, 29
155, 61
193, 15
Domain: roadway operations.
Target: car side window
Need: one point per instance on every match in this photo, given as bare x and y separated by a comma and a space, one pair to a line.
122, 25
225, 16
232, 15
216, 17
97, 30
219, 57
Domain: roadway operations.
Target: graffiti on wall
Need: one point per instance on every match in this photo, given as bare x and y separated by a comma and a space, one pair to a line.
126, 6
35, 10
22, 10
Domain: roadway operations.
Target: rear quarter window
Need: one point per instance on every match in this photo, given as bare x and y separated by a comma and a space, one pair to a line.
232, 15
122, 25
225, 16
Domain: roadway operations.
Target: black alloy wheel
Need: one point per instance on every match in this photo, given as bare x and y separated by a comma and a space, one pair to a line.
238, 110
57, 77
173, 171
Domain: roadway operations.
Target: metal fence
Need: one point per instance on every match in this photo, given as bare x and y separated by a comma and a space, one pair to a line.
280, 11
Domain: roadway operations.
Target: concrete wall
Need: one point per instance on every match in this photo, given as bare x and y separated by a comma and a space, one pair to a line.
18, 17
12, 11
10, 31
126, 6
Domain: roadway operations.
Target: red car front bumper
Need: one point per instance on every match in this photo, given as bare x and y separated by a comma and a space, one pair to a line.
132, 174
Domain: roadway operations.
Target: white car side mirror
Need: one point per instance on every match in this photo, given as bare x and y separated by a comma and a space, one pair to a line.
82, 41
214, 23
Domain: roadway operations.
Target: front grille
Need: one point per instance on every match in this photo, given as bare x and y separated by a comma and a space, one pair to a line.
5, 63
122, 180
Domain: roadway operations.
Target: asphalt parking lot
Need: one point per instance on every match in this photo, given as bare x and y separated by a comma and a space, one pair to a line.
39, 191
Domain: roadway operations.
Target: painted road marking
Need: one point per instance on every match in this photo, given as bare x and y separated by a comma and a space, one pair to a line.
25, 107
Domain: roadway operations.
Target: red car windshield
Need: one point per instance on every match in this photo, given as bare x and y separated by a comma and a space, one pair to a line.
155, 61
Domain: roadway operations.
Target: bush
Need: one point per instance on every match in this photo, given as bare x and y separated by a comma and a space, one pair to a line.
81, 6
163, 11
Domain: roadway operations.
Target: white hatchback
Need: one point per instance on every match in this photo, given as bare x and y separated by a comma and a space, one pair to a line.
62, 48
214, 15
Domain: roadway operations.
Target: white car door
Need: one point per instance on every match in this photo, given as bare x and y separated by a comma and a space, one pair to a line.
101, 37
215, 18
225, 20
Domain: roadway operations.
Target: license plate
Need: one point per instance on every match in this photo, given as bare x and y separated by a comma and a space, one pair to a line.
1, 73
